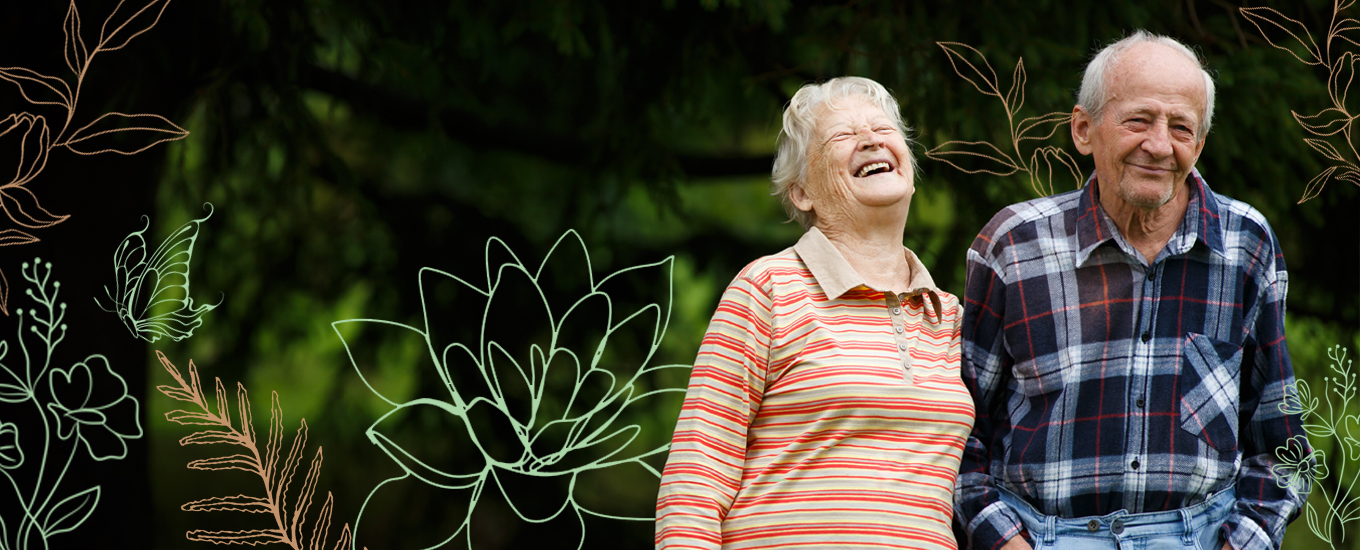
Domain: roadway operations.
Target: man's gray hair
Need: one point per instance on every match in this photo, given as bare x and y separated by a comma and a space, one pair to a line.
800, 124
1095, 83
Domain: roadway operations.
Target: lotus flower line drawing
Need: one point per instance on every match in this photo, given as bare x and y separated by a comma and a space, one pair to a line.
537, 419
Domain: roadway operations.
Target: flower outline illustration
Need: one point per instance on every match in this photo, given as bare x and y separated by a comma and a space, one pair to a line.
520, 434
90, 422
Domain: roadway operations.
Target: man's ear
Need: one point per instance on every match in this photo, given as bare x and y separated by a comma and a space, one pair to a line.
1081, 129
800, 198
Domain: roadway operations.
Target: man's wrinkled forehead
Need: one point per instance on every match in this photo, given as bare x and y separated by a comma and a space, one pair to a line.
1150, 71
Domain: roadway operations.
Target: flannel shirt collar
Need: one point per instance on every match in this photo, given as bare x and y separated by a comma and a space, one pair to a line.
835, 275
1201, 223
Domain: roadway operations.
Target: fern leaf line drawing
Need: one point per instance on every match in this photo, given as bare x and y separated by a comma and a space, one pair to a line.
277, 476
31, 135
1042, 162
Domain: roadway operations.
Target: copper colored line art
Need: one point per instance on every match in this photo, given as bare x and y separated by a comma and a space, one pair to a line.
1340, 65
974, 68
35, 141
274, 469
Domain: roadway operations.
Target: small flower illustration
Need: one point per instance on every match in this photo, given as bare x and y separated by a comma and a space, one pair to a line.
11, 455
1298, 399
548, 393
73, 390
1299, 465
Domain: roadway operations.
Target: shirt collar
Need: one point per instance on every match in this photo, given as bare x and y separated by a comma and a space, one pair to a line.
835, 275
1201, 222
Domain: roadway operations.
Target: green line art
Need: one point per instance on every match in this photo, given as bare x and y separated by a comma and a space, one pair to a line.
290, 526
145, 288
1302, 470
537, 418
86, 407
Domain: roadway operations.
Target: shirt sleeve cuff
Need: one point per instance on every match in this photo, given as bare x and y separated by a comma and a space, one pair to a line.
1245, 534
993, 527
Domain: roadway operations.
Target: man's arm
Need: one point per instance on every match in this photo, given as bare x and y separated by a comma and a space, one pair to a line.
988, 522
1263, 507
708, 452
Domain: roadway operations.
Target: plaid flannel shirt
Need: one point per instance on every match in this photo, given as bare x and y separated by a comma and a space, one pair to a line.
1102, 383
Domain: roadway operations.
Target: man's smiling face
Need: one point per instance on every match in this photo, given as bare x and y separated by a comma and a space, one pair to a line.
1147, 139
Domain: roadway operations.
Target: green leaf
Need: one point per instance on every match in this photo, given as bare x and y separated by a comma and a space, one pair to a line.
71, 511
10, 393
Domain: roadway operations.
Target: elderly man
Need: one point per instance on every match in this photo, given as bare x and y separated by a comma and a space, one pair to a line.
1124, 343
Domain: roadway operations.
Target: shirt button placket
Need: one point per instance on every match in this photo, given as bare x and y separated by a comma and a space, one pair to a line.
899, 333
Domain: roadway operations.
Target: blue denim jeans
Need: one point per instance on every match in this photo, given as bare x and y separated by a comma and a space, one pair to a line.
1192, 528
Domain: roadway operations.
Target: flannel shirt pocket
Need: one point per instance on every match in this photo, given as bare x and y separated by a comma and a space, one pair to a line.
1210, 375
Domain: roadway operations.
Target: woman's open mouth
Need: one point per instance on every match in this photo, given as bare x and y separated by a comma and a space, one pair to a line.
873, 168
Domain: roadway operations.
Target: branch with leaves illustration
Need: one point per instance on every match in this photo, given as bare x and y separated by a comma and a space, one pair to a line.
1042, 161
1301, 468
34, 140
1331, 121
275, 471
84, 407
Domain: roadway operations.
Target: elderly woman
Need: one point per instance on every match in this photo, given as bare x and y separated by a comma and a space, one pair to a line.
825, 407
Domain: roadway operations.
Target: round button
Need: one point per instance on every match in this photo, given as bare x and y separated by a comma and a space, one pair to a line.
1093, 525
900, 329
902, 347
1147, 336
1141, 403
897, 311
1117, 527
1134, 464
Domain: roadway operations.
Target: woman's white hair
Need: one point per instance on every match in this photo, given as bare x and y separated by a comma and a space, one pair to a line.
1095, 83
792, 158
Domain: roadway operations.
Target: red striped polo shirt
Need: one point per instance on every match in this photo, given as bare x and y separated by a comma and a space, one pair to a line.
820, 413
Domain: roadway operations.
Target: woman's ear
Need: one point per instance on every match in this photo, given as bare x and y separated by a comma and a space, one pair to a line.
800, 198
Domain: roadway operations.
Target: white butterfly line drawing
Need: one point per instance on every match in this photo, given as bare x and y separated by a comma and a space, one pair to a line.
144, 286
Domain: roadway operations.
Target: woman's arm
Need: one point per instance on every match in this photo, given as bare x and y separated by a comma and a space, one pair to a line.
708, 452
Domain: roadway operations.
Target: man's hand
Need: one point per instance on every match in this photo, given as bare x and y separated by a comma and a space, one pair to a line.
1018, 543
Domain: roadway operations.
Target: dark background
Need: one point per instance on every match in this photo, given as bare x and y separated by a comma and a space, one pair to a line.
346, 144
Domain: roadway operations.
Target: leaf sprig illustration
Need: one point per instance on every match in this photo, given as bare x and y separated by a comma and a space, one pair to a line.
1301, 469
34, 140
1340, 65
141, 283
1042, 161
274, 469
83, 407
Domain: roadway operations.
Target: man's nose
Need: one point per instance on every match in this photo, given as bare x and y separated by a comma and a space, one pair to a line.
1158, 142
